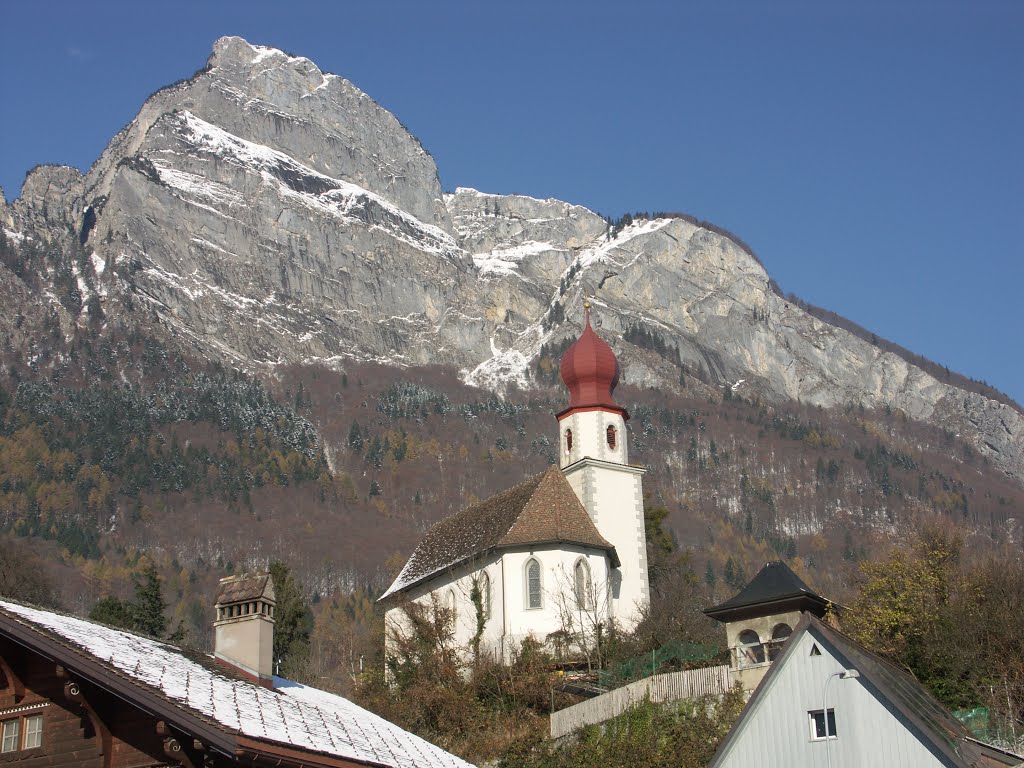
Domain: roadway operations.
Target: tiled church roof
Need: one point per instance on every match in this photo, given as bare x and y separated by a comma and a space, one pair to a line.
541, 510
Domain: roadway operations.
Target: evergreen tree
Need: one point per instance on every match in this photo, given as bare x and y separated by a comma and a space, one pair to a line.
148, 610
112, 611
144, 615
355, 438
293, 621
709, 575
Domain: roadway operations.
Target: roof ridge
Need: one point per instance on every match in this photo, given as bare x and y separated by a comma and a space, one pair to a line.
561, 515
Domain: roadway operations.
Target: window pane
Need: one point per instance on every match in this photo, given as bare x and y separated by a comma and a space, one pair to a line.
33, 731
533, 574
819, 724
10, 736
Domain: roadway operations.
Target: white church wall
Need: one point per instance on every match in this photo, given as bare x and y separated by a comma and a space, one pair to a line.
590, 437
511, 619
453, 589
613, 496
558, 609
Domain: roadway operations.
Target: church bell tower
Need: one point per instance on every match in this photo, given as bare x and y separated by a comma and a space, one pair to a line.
594, 457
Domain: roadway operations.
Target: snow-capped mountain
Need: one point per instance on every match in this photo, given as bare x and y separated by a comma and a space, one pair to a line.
272, 213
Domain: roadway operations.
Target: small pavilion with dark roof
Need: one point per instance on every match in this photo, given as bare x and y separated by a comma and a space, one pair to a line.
774, 589
761, 616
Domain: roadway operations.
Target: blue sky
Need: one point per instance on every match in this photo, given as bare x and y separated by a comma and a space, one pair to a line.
872, 153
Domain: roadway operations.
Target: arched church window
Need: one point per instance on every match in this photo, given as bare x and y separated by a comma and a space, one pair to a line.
533, 584
613, 437
750, 650
450, 598
581, 584
485, 595
568, 441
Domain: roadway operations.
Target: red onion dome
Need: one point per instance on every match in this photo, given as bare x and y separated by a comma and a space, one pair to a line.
590, 371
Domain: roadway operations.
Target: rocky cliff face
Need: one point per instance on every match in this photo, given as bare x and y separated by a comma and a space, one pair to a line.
273, 213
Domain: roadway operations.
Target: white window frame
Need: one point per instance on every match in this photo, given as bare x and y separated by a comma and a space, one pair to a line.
540, 585
10, 733
829, 718
33, 732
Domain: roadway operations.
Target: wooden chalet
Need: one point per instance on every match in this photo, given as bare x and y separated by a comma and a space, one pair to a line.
77, 693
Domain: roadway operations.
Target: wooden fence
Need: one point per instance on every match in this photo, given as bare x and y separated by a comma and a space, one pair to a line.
675, 686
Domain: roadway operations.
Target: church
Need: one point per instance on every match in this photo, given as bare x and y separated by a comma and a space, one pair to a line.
556, 556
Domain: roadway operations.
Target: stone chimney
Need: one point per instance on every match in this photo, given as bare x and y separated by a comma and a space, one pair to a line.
244, 629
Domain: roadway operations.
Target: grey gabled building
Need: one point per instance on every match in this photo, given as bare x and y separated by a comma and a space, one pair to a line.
828, 701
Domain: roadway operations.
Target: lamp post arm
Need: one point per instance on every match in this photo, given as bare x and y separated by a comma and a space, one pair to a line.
844, 674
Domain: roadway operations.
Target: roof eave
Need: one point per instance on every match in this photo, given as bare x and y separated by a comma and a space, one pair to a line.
588, 461
611, 408
390, 596
795, 602
113, 681
284, 754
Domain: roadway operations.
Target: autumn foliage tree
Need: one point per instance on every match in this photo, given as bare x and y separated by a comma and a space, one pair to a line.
958, 627
477, 708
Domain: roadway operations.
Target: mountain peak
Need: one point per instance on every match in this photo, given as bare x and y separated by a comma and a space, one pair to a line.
237, 53
278, 214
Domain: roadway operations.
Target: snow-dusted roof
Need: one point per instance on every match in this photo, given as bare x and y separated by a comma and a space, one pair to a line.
292, 715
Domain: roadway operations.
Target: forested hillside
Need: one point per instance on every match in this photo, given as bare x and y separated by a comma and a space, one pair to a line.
134, 447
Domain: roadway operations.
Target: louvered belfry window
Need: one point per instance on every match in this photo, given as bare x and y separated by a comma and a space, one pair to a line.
533, 584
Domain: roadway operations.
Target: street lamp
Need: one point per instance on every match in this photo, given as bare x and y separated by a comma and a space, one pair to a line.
844, 674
